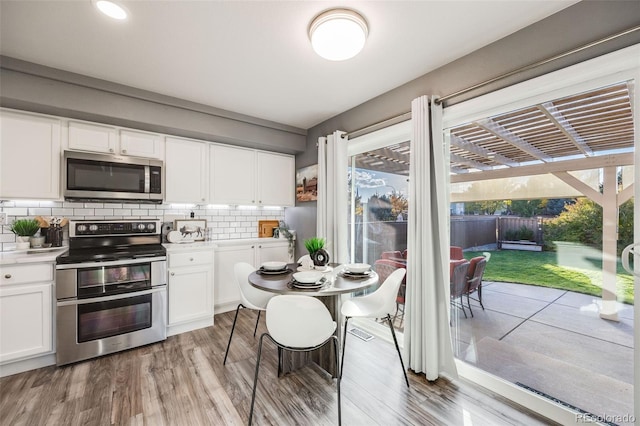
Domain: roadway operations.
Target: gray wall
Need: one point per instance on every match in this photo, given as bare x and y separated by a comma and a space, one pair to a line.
37, 88
568, 29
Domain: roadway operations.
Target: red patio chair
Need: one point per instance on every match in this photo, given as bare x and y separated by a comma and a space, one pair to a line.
458, 284
384, 268
474, 279
455, 253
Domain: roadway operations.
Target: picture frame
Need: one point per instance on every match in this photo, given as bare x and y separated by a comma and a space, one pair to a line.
191, 228
307, 183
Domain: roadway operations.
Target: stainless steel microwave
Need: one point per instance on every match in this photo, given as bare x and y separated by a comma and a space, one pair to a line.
103, 177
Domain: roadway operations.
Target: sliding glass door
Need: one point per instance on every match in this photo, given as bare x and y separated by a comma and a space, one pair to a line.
543, 193
378, 205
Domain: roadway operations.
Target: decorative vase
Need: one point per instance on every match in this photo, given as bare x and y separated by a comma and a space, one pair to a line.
320, 257
22, 243
36, 241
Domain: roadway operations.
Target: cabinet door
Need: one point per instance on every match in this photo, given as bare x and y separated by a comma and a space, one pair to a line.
226, 290
276, 179
25, 321
190, 294
139, 144
29, 157
233, 175
92, 137
272, 252
185, 164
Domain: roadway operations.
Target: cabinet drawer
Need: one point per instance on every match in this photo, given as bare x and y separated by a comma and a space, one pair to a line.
191, 258
38, 272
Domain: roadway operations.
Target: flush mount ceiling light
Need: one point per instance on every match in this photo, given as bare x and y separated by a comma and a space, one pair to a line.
338, 34
111, 9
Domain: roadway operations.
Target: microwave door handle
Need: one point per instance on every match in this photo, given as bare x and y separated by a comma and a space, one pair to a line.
147, 179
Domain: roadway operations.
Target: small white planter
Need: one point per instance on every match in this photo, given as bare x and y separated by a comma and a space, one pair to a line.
22, 243
520, 245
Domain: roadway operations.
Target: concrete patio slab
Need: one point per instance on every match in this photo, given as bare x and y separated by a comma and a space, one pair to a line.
523, 290
508, 303
588, 323
484, 324
590, 353
586, 301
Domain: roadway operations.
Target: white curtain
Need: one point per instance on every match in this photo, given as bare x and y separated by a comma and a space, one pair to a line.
332, 195
427, 337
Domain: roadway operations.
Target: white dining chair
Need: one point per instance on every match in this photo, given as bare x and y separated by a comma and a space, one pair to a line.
300, 324
379, 304
252, 298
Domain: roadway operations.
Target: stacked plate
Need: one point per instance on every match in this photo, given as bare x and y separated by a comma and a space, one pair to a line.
310, 280
356, 270
274, 268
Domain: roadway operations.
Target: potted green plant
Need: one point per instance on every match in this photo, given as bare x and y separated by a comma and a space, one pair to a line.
24, 229
315, 247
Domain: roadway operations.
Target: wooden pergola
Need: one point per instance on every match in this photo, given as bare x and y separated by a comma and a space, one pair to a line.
586, 131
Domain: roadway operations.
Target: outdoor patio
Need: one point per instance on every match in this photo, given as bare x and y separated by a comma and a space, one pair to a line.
553, 342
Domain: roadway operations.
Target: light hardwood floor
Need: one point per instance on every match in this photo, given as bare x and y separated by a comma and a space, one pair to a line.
182, 382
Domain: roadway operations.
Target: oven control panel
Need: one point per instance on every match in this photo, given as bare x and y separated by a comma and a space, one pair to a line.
118, 227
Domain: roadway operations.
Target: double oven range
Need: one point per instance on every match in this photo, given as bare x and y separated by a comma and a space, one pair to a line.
111, 289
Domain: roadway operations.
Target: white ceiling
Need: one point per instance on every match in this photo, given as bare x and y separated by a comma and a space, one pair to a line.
254, 57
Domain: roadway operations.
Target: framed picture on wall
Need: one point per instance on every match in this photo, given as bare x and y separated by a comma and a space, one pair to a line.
307, 183
191, 228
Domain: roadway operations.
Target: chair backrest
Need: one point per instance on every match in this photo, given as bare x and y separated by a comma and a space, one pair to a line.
252, 298
391, 255
385, 267
384, 298
455, 253
459, 283
299, 321
476, 271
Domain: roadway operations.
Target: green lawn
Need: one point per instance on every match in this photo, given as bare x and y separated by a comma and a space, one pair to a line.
572, 267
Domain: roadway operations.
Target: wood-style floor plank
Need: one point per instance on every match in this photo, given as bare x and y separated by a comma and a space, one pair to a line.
182, 381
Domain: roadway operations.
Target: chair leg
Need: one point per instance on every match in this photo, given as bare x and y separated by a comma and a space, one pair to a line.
344, 343
257, 321
233, 327
469, 305
393, 333
279, 361
480, 296
339, 371
255, 379
462, 307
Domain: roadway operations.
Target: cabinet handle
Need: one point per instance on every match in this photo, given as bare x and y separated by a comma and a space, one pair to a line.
253, 201
191, 259
110, 149
259, 246
7, 276
173, 273
124, 151
260, 201
203, 199
253, 246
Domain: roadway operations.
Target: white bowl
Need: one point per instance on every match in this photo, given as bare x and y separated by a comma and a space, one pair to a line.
307, 277
357, 268
274, 266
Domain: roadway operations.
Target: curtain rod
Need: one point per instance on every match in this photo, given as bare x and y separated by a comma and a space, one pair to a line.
442, 99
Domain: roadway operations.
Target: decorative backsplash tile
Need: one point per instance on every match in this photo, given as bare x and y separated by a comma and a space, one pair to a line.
227, 222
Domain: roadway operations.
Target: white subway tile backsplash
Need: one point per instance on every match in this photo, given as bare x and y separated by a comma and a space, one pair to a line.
226, 222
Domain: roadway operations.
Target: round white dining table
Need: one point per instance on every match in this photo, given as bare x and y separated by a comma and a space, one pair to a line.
330, 294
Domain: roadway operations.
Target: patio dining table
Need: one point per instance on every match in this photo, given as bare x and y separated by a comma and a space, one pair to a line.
330, 294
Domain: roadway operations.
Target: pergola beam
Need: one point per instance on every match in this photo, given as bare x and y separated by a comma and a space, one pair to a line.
513, 139
556, 117
580, 186
595, 162
471, 163
482, 152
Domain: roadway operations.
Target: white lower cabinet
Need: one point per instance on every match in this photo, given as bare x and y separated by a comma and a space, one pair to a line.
227, 293
26, 316
190, 290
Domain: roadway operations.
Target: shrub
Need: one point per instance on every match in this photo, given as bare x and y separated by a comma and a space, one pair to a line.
523, 233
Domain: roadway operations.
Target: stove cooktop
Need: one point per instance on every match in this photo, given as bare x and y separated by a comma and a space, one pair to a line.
110, 254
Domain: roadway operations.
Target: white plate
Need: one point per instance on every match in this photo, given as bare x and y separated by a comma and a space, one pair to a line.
307, 277
357, 268
274, 266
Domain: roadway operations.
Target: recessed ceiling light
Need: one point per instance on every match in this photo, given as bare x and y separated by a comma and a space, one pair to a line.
111, 9
338, 34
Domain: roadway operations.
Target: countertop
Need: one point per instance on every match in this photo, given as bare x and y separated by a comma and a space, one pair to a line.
31, 256
202, 245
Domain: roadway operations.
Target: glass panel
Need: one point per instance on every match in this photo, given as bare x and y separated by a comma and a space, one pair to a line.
106, 319
113, 279
378, 208
552, 311
104, 176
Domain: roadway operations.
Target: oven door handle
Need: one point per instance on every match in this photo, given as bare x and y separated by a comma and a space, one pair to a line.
109, 298
111, 263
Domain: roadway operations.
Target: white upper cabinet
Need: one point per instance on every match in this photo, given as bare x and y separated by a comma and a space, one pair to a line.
110, 140
276, 179
249, 177
185, 171
140, 144
29, 156
233, 175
